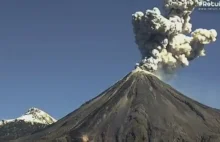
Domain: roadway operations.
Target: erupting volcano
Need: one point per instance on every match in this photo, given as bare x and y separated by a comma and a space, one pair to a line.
138, 108
141, 107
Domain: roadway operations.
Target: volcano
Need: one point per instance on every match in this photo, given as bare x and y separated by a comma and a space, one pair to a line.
138, 108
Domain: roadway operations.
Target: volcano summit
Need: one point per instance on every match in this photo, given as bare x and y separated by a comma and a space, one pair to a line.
138, 108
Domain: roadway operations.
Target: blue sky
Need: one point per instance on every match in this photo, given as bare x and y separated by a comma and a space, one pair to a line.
56, 54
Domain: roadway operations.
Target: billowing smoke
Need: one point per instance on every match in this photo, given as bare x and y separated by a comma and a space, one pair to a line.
167, 42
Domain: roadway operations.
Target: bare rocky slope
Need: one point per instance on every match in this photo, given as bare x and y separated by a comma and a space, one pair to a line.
138, 108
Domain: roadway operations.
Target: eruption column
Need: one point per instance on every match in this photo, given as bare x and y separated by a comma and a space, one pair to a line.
164, 41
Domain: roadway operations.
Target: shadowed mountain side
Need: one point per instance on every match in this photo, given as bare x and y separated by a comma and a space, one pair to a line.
138, 108
18, 129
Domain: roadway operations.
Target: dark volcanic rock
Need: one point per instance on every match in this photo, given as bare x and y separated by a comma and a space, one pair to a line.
138, 108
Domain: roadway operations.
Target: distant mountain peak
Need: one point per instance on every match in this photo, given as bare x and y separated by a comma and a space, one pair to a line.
33, 115
33, 110
33, 120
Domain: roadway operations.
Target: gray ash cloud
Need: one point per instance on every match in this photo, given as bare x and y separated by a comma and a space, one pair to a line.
166, 41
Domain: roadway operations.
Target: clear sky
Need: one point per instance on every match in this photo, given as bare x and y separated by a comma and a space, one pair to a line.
57, 54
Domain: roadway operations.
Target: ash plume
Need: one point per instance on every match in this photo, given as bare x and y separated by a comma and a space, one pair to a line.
166, 42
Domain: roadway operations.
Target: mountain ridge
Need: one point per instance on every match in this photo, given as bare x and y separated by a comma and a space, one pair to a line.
33, 120
33, 115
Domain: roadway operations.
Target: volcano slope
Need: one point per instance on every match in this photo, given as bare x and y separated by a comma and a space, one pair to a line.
138, 108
